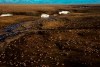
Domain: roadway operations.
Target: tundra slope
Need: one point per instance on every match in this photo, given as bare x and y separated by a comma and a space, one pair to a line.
64, 41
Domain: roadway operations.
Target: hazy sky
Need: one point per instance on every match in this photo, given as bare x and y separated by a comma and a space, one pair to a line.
51, 1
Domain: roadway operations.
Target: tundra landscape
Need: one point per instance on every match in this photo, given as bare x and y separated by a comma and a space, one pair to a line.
61, 40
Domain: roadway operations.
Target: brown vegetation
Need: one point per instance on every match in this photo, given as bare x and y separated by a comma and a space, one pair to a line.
71, 40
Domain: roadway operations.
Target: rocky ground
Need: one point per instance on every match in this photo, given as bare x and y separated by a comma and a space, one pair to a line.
72, 40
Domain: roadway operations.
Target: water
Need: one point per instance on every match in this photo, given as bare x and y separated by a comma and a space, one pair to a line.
49, 1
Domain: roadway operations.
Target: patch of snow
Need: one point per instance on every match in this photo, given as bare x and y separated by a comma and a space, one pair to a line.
45, 15
64, 12
5, 15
